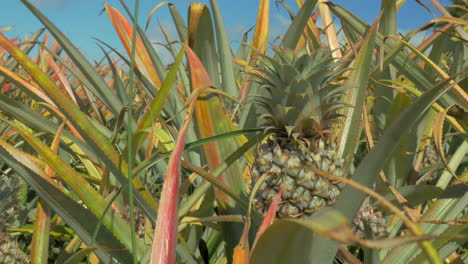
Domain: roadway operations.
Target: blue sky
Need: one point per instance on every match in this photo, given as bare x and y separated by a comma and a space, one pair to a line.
81, 21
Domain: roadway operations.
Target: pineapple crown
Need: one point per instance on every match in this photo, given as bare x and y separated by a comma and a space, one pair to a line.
304, 97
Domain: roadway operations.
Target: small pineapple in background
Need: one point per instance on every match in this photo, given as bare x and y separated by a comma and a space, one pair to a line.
9, 250
301, 112
431, 157
374, 218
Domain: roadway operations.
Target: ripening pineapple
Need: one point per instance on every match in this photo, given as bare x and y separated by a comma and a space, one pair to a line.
301, 111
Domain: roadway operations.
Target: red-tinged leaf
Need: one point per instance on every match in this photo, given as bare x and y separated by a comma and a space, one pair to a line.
62, 78
242, 250
213, 120
6, 88
269, 217
165, 233
33, 89
38, 92
125, 31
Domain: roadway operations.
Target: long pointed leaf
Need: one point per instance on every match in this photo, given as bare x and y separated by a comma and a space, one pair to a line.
296, 29
225, 56
355, 97
165, 232
103, 91
125, 30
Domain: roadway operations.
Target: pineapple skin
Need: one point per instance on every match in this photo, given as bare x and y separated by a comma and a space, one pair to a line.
374, 218
10, 252
289, 167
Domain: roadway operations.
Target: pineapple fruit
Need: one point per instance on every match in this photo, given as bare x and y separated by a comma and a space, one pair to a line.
374, 218
10, 252
301, 112
9, 249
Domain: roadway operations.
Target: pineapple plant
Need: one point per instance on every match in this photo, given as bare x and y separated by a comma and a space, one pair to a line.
301, 114
302, 122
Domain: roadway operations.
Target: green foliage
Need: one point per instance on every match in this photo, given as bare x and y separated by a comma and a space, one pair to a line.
91, 141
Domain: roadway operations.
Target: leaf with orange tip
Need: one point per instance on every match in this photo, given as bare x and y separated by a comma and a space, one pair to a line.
94, 81
242, 250
400, 3
202, 40
241, 254
260, 37
125, 30
30, 87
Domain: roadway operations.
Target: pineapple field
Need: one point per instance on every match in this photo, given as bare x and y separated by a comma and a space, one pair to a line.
340, 141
